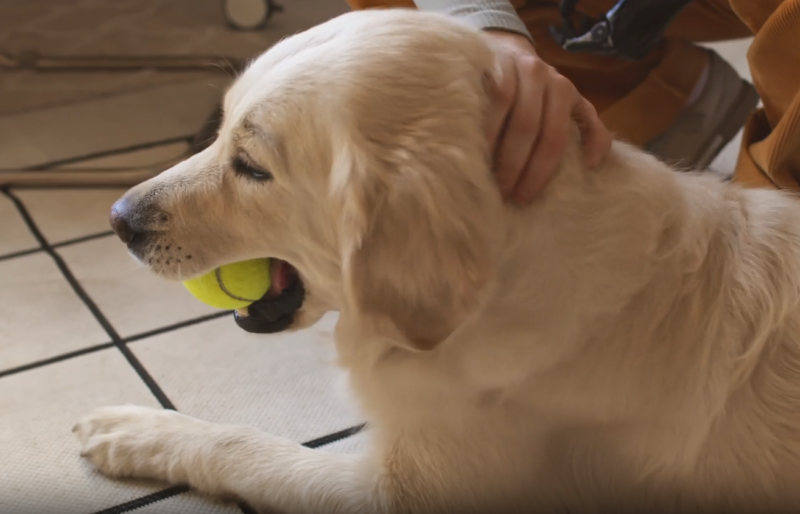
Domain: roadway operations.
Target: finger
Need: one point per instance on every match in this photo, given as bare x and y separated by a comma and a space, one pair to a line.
501, 88
524, 124
596, 138
559, 102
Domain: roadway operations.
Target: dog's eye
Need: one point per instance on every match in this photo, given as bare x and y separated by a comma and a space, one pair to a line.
246, 169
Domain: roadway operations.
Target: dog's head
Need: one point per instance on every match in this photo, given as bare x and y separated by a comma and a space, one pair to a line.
356, 152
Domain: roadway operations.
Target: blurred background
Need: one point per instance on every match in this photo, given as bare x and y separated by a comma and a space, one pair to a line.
81, 79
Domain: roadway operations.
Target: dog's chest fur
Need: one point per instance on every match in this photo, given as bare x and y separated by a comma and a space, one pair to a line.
627, 323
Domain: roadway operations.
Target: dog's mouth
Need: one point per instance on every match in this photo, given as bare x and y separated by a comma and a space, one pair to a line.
276, 311
282, 275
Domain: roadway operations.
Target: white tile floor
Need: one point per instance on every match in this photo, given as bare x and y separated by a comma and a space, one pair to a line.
66, 214
132, 299
16, 236
65, 132
40, 467
82, 326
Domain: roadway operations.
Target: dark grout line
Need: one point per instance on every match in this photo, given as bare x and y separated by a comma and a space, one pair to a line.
176, 326
143, 501
57, 358
164, 494
62, 244
107, 153
336, 436
142, 88
83, 239
20, 254
68, 185
90, 304
103, 346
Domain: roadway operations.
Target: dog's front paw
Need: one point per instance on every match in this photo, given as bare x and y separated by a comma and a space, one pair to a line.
139, 442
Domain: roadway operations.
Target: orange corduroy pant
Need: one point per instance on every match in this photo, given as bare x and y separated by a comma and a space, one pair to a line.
639, 99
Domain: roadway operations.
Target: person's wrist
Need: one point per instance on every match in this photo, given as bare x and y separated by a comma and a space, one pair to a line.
512, 38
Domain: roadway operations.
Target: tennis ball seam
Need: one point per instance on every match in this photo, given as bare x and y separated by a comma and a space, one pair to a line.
221, 284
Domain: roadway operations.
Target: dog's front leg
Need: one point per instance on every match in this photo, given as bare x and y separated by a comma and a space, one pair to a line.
225, 460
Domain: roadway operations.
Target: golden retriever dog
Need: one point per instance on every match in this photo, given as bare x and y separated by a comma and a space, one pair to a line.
629, 341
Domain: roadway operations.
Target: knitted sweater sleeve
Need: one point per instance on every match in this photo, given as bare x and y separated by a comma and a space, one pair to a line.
481, 14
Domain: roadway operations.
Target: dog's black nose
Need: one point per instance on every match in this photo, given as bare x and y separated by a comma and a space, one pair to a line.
119, 221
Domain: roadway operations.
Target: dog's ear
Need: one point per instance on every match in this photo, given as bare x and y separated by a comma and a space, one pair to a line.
420, 233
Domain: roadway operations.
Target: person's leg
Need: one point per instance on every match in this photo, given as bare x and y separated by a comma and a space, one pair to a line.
681, 102
770, 153
357, 5
369, 4
644, 102
606, 80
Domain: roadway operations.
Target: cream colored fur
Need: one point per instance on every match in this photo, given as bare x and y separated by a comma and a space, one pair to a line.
630, 341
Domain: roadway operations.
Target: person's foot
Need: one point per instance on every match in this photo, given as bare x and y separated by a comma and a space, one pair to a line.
704, 127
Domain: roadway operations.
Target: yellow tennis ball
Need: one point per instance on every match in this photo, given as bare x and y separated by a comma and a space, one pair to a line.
232, 286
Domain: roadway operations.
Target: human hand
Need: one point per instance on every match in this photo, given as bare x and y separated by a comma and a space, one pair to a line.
529, 122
